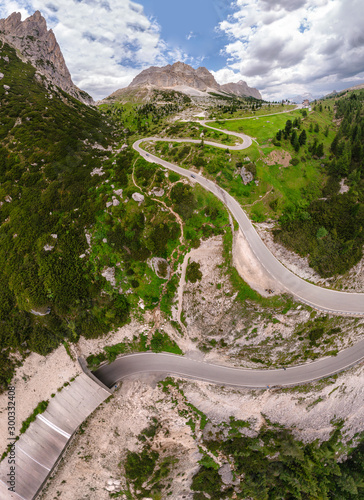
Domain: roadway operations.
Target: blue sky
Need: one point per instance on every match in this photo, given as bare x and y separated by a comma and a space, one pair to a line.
192, 25
282, 47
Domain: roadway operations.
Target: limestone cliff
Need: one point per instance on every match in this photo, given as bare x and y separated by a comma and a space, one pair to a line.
39, 46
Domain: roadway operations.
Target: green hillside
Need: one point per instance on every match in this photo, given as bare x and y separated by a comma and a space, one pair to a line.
328, 227
67, 181
47, 154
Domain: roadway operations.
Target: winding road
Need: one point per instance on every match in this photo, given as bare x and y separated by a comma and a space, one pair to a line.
332, 301
324, 299
39, 449
164, 363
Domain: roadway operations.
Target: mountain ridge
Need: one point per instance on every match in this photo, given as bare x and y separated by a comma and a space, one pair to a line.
181, 75
39, 46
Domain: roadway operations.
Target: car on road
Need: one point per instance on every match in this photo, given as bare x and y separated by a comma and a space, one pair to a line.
146, 154
193, 176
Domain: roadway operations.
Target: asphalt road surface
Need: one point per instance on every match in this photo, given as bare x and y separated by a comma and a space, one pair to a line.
163, 363
331, 301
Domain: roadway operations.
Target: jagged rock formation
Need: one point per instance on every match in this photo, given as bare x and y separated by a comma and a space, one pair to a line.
39, 46
183, 77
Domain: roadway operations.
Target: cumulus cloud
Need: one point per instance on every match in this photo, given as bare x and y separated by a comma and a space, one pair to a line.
282, 47
105, 42
286, 47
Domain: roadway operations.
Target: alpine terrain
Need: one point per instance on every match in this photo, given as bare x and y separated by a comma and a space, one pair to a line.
181, 286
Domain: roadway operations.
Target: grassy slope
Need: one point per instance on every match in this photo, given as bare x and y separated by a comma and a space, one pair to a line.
290, 185
261, 129
50, 144
329, 228
293, 190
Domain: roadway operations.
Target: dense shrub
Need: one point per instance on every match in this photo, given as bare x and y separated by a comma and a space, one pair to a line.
193, 272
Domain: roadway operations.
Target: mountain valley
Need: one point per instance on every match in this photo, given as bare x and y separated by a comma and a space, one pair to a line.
105, 252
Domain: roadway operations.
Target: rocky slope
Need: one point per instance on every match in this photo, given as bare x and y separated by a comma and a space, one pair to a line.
183, 77
241, 89
39, 46
174, 75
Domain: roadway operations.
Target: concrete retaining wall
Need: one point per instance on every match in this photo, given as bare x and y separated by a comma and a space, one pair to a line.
39, 449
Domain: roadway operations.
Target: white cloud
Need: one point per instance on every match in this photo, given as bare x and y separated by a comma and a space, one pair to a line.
190, 35
291, 46
9, 6
282, 47
105, 42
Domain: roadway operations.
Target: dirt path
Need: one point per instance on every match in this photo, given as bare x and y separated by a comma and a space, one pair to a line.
260, 199
181, 286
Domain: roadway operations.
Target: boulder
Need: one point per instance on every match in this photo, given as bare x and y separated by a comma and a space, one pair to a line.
138, 197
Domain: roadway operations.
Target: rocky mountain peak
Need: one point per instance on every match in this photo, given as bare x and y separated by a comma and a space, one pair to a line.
39, 46
241, 89
183, 76
180, 66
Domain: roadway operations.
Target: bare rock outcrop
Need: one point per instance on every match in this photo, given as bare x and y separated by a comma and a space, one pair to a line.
182, 76
241, 89
39, 46
174, 75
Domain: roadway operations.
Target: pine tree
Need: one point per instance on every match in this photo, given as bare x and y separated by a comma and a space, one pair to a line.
288, 127
334, 144
320, 150
302, 138
293, 137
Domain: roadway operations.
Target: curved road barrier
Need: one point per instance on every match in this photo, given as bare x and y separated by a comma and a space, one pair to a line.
172, 364
40, 448
324, 299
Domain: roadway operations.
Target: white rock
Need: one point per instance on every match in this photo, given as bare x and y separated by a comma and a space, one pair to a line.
138, 197
157, 191
108, 204
55, 236
109, 274
104, 240
97, 171
1, 76
110, 482
6, 87
88, 238
110, 488
47, 248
